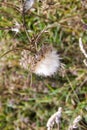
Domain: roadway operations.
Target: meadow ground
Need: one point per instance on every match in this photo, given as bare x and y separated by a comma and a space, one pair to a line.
26, 100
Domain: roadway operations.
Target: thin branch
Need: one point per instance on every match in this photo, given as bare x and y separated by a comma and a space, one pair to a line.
83, 51
81, 47
46, 28
15, 49
24, 22
8, 28
10, 5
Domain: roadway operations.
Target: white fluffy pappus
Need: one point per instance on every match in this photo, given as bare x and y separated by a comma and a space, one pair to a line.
49, 62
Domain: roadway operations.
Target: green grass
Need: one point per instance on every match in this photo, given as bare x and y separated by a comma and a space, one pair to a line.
28, 106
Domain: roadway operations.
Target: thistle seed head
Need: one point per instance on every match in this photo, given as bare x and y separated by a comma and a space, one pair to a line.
46, 62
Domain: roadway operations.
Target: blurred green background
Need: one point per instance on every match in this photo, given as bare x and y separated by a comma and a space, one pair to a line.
26, 102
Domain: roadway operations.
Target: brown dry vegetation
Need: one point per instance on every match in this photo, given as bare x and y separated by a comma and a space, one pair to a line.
27, 100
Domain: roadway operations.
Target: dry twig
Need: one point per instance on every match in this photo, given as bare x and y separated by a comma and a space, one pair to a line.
83, 51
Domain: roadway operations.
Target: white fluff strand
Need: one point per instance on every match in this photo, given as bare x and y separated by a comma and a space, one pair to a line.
49, 63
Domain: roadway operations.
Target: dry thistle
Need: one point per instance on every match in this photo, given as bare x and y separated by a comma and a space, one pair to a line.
75, 123
26, 59
28, 5
46, 61
55, 118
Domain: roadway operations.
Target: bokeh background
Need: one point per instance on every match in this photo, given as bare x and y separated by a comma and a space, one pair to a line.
26, 100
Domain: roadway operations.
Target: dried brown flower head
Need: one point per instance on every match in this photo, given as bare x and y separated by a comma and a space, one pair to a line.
46, 61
